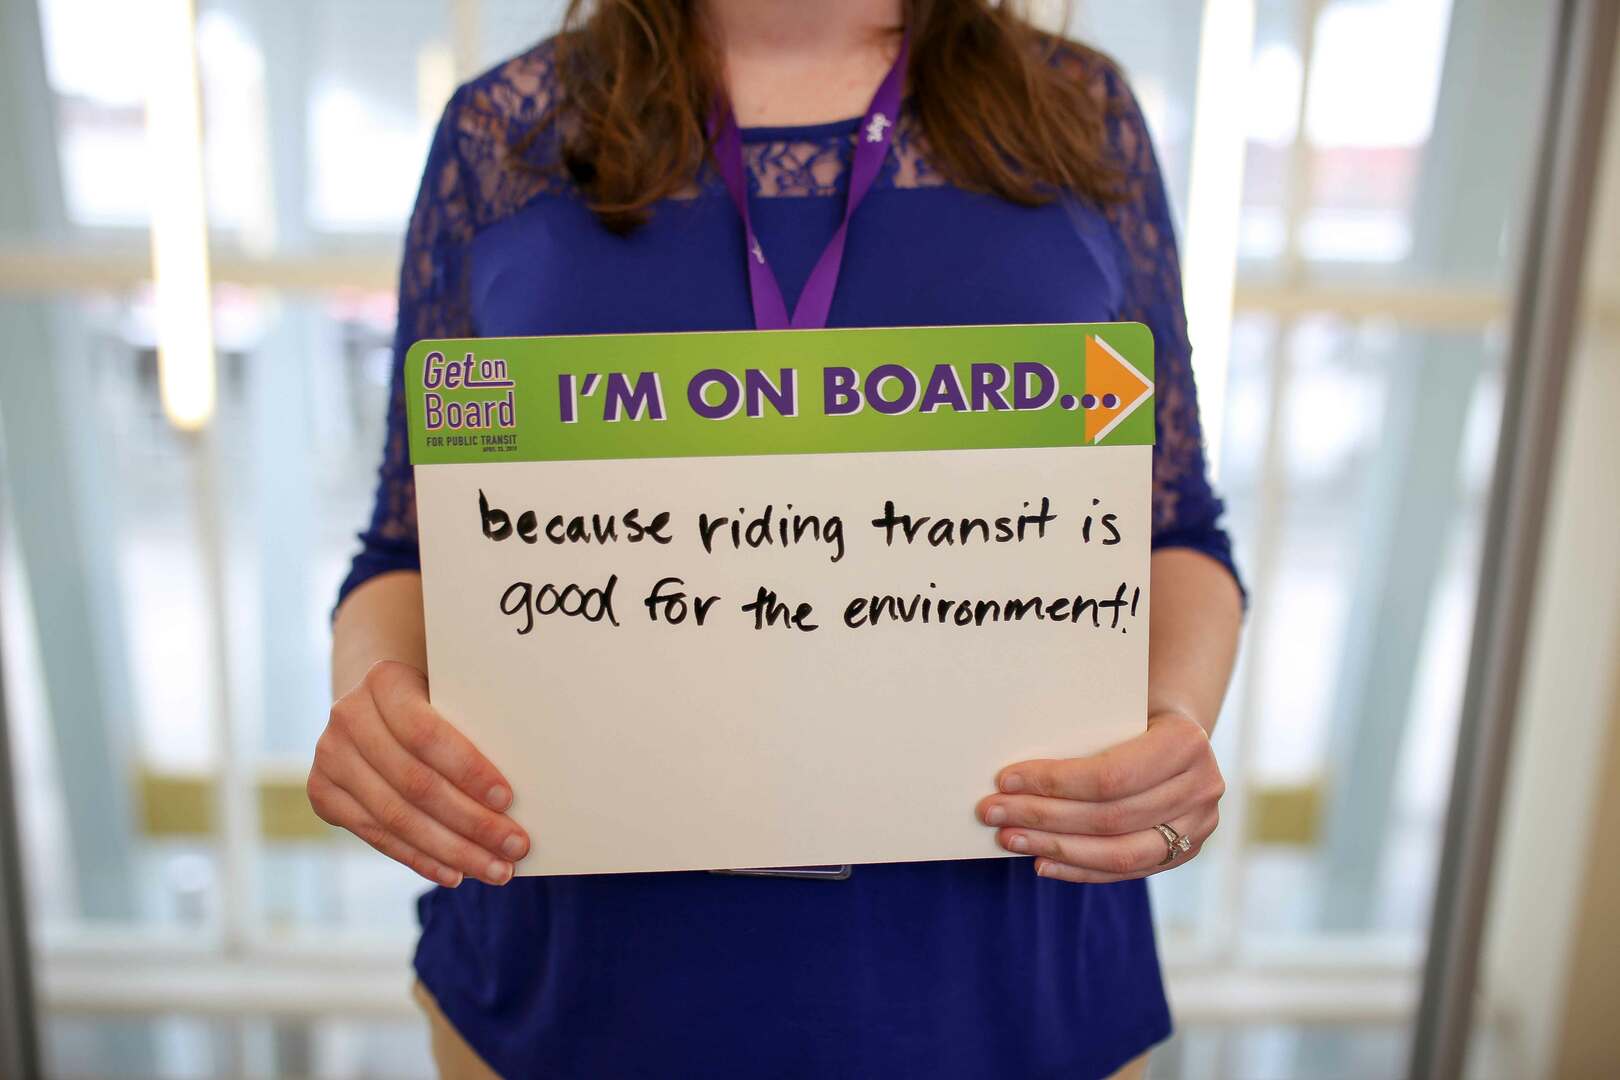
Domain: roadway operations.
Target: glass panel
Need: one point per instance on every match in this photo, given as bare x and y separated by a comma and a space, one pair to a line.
237, 170
318, 115
1368, 134
107, 599
1364, 528
97, 99
201, 1048
173, 1048
1276, 83
379, 75
1381, 182
298, 474
509, 27
1156, 43
1317, 1051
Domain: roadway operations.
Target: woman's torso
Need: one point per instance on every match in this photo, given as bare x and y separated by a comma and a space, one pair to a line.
942, 969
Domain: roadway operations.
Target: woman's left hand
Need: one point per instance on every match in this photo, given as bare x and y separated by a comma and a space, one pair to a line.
1092, 818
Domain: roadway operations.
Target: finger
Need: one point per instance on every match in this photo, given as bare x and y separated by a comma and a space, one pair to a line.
1169, 745
391, 810
1048, 868
352, 816
1057, 871
1109, 858
400, 692
1116, 856
1128, 815
433, 794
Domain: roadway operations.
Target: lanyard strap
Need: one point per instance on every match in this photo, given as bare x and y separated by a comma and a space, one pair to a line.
871, 148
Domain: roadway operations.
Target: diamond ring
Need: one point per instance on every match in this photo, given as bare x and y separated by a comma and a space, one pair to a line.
1175, 845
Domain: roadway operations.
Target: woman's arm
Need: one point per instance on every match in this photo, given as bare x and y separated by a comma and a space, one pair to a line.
1197, 612
380, 620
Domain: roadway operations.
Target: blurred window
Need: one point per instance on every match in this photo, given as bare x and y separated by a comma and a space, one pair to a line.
98, 98
1374, 83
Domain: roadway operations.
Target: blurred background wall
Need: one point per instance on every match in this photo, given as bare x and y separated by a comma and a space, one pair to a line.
1351, 180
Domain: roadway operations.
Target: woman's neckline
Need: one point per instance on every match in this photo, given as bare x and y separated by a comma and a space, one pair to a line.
799, 132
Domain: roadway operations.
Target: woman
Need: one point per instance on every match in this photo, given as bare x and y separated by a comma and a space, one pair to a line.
582, 188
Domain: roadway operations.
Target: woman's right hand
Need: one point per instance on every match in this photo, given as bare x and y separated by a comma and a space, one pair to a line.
395, 773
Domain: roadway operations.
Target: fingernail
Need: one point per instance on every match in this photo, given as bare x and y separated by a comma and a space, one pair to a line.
512, 846
1012, 782
995, 815
1018, 842
450, 879
498, 798
1040, 867
498, 872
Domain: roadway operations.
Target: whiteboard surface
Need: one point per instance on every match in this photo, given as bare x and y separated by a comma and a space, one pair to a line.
648, 747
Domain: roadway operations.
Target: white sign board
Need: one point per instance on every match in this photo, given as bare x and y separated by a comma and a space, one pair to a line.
764, 637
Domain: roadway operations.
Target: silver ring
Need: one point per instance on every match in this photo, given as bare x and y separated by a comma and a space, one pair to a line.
1175, 845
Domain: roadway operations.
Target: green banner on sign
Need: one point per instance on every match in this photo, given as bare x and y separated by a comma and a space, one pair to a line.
779, 392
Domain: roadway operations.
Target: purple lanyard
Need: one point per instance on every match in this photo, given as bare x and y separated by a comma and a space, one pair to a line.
871, 147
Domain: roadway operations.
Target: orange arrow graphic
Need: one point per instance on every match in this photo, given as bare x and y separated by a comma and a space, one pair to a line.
1114, 389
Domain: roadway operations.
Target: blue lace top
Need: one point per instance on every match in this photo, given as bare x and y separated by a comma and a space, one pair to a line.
954, 969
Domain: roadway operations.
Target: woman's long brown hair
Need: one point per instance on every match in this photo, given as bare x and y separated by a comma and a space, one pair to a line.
637, 79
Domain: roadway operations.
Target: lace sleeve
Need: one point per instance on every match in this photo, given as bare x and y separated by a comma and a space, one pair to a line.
1186, 511
432, 303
